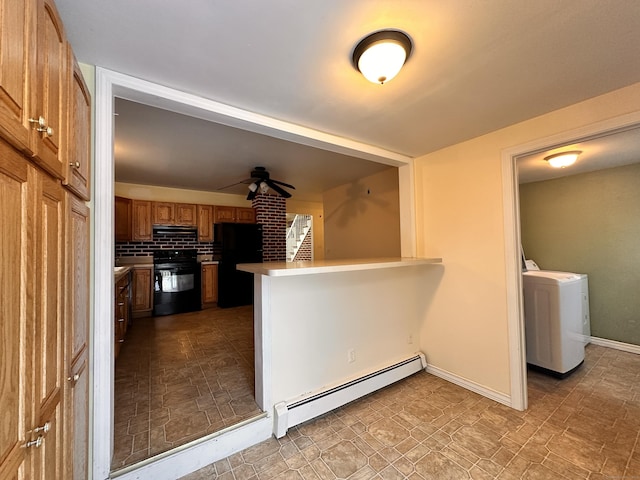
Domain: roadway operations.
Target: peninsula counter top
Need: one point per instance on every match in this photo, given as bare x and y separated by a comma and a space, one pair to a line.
286, 269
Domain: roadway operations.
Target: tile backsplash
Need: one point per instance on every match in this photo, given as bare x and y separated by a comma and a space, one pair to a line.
163, 241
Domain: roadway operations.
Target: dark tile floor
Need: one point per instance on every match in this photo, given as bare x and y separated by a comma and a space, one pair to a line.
179, 377
583, 427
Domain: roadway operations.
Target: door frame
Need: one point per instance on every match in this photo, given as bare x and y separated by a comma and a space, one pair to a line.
183, 460
511, 205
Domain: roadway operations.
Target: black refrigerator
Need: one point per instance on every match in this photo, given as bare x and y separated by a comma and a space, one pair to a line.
239, 243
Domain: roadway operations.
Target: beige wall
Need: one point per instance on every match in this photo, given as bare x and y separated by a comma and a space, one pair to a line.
316, 210
459, 217
362, 219
178, 195
590, 223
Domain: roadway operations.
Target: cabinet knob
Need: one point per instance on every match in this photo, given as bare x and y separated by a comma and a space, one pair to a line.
73, 379
121, 320
41, 123
35, 443
121, 340
74, 164
44, 428
48, 131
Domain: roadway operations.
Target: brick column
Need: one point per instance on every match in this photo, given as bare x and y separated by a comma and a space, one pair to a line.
271, 213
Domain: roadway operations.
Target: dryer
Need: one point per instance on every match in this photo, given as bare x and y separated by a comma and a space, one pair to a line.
556, 319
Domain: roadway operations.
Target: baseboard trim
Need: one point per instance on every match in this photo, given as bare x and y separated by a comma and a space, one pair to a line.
469, 385
625, 347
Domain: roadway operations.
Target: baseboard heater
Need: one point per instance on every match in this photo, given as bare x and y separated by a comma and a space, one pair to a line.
288, 415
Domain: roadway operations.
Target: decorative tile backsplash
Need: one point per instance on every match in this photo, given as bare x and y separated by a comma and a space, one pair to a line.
163, 241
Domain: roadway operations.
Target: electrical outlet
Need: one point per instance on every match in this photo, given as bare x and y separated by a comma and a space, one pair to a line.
351, 356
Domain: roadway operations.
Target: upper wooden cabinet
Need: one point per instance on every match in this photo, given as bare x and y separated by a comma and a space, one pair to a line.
186, 214
78, 148
122, 220
224, 214
164, 213
141, 220
17, 69
167, 213
205, 223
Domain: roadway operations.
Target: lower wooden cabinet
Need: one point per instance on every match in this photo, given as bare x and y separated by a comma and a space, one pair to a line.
121, 310
142, 291
209, 284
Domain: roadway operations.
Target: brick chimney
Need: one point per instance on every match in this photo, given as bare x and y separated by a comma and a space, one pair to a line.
271, 213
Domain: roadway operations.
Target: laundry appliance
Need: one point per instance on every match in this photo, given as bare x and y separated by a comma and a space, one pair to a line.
556, 311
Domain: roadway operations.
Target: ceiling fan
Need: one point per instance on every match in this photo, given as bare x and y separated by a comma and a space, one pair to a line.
260, 182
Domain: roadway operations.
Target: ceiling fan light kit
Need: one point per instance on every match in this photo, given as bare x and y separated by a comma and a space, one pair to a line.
563, 159
380, 55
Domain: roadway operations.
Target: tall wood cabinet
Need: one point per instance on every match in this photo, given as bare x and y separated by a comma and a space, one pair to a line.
44, 286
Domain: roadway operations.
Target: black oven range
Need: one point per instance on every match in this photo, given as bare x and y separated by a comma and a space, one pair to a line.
176, 284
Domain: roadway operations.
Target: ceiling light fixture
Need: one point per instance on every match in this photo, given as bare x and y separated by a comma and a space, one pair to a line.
563, 159
381, 55
253, 187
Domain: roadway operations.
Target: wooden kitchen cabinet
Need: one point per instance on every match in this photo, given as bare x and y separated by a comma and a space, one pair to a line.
141, 220
164, 213
17, 68
76, 397
209, 284
142, 291
122, 219
121, 310
78, 148
186, 214
225, 214
205, 223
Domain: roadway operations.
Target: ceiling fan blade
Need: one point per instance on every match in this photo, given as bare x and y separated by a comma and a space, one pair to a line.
252, 194
246, 180
275, 187
282, 183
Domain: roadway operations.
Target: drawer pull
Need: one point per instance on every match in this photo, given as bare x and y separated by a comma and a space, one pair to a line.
35, 443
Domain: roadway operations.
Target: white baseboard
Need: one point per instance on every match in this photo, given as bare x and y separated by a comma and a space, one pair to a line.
625, 347
189, 458
469, 385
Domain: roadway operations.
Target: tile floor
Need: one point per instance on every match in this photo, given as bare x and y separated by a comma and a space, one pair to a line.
179, 377
583, 427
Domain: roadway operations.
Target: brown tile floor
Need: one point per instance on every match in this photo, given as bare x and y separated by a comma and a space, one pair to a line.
586, 426
180, 377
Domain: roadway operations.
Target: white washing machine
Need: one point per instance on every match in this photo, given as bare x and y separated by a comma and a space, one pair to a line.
556, 311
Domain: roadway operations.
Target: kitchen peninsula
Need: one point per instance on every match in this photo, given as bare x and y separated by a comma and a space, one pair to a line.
324, 325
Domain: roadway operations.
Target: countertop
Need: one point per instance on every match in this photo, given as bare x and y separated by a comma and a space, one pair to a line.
119, 272
285, 269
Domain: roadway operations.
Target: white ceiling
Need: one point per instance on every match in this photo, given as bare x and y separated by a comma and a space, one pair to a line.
476, 66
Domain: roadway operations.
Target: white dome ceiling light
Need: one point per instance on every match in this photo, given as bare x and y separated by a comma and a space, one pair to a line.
381, 55
563, 159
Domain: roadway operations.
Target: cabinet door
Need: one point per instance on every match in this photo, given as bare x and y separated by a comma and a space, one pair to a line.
49, 97
78, 146
224, 214
142, 294
205, 223
186, 214
245, 215
122, 223
141, 220
16, 328
48, 364
209, 284
76, 424
17, 66
164, 213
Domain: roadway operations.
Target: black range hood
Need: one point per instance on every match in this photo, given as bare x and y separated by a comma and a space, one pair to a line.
174, 229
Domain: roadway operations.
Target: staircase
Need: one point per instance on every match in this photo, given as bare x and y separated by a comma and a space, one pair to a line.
296, 233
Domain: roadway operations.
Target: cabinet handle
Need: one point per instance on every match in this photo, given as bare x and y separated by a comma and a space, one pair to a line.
120, 304
74, 379
121, 320
41, 123
35, 443
44, 428
121, 340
